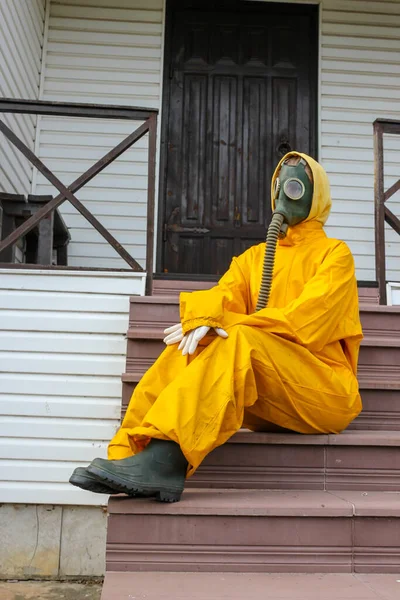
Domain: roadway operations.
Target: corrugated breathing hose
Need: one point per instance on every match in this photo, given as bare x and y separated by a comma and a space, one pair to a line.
269, 260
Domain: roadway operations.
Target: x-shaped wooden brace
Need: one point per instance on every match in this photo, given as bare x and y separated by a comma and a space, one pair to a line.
67, 193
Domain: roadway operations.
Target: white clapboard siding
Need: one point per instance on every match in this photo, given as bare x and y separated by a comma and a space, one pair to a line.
360, 82
21, 42
62, 353
393, 293
106, 52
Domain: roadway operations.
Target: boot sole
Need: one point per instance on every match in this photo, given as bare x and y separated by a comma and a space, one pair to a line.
135, 489
90, 486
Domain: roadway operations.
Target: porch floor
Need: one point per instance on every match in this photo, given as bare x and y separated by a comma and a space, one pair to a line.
232, 586
211, 586
49, 590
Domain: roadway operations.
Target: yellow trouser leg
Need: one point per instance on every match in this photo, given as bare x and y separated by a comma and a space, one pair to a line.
168, 365
199, 406
253, 375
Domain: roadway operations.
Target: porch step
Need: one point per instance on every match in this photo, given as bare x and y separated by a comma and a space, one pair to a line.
154, 313
172, 287
353, 460
258, 586
257, 531
379, 363
381, 407
269, 502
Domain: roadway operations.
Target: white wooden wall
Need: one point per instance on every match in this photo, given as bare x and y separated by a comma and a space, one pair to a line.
360, 82
21, 41
393, 294
62, 353
109, 52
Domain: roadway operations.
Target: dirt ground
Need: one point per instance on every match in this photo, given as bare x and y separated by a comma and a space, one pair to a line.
49, 590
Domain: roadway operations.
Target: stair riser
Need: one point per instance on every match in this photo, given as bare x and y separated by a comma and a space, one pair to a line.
158, 315
168, 287
311, 467
378, 366
150, 349
243, 466
213, 543
381, 409
155, 316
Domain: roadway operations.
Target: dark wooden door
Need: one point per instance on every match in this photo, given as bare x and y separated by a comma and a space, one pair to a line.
240, 91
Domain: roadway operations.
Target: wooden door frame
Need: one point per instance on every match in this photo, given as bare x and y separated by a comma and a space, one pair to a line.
171, 6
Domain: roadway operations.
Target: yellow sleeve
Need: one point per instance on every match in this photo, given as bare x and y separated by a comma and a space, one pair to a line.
213, 307
326, 311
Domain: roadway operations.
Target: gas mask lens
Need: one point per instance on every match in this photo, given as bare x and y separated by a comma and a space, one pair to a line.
294, 188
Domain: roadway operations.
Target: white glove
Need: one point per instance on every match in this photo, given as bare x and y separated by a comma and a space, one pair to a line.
190, 341
174, 334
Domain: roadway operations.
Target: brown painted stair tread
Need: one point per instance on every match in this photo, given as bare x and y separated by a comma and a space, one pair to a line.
346, 438
166, 308
172, 287
379, 362
354, 460
270, 502
258, 586
281, 503
257, 531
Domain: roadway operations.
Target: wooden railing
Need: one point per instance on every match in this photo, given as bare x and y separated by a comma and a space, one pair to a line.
382, 212
67, 109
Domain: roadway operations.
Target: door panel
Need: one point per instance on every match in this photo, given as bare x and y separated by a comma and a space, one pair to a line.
239, 93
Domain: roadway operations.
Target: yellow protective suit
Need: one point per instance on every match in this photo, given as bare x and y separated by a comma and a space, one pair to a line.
292, 364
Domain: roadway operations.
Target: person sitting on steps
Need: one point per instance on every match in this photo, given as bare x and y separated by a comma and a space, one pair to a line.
234, 362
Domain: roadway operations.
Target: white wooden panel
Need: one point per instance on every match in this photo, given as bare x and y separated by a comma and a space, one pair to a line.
155, 5
360, 63
67, 343
86, 282
39, 362
393, 294
63, 450
44, 384
114, 223
21, 41
74, 429
57, 301
32, 471
360, 60
109, 12
55, 406
39, 493
121, 53
104, 52
93, 263
101, 251
62, 353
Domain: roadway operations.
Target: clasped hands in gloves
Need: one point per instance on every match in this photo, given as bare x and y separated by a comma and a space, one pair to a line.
190, 341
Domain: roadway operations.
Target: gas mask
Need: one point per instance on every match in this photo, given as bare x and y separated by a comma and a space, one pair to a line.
293, 193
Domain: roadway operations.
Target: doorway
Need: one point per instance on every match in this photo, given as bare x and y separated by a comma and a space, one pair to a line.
240, 90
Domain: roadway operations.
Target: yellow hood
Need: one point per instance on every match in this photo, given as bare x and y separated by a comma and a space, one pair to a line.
321, 202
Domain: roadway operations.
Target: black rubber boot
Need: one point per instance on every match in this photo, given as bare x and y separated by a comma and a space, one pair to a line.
81, 478
158, 471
